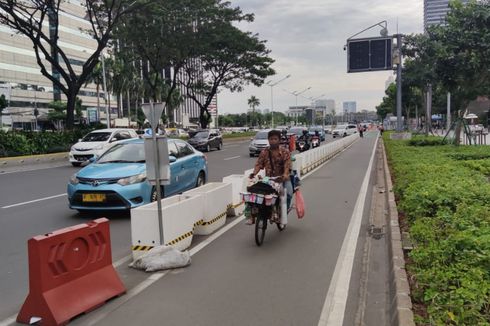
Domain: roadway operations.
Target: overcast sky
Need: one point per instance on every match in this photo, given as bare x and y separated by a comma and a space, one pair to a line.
306, 38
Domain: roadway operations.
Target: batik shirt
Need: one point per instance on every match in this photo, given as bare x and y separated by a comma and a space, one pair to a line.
275, 163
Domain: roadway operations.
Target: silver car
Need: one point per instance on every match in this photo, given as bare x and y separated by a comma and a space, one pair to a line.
258, 143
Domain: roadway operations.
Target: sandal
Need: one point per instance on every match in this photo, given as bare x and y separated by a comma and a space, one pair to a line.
250, 221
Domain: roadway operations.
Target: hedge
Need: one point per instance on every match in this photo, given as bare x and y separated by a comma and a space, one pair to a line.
443, 193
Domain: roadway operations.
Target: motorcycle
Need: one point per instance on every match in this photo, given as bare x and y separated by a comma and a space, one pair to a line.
302, 146
315, 141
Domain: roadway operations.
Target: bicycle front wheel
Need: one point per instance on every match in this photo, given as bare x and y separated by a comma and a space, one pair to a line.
260, 227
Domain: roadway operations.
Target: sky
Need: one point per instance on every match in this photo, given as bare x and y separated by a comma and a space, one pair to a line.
306, 39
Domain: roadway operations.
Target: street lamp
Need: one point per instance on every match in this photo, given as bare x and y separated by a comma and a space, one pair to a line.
296, 94
269, 83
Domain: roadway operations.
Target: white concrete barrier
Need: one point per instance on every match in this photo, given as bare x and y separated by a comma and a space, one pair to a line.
180, 215
238, 184
309, 160
216, 197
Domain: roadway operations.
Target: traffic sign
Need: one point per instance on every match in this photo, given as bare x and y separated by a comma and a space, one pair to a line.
369, 54
153, 112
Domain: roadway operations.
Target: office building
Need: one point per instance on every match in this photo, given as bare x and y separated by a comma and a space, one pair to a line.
435, 12
20, 76
327, 105
349, 107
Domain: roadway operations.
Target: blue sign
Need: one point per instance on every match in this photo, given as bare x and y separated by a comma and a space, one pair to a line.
92, 115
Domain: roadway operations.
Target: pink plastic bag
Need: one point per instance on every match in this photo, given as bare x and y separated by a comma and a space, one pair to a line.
300, 204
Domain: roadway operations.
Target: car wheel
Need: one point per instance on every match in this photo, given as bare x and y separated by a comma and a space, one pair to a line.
76, 164
200, 180
208, 148
153, 196
220, 146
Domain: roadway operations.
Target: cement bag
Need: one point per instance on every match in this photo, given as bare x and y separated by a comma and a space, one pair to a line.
300, 204
161, 258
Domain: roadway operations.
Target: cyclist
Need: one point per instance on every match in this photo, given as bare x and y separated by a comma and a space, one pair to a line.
276, 161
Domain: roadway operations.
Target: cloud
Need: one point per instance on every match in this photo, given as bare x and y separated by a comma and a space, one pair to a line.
306, 38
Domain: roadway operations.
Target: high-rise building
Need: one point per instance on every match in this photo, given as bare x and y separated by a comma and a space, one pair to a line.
20, 75
349, 107
327, 105
435, 11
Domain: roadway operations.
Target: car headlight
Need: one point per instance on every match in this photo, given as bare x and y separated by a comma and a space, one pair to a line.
74, 180
132, 179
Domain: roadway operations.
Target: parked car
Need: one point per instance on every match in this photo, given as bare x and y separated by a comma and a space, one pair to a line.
328, 129
176, 132
320, 130
344, 130
258, 143
207, 139
97, 142
117, 179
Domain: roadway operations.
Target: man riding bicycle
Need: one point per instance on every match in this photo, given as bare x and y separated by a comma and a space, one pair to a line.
276, 161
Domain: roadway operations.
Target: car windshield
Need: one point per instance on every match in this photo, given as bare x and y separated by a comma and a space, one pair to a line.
261, 135
297, 131
97, 136
315, 129
341, 127
201, 134
124, 153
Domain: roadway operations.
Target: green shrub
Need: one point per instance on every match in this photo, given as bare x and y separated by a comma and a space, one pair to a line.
445, 193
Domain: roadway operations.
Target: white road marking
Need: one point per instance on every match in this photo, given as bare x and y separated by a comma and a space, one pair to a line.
156, 276
34, 201
231, 158
9, 321
33, 169
334, 307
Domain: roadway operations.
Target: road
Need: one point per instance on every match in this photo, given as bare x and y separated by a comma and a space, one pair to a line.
231, 281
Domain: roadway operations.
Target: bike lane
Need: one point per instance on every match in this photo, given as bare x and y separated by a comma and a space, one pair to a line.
283, 282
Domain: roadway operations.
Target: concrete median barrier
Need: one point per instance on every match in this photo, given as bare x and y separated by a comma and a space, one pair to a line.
238, 184
216, 197
181, 214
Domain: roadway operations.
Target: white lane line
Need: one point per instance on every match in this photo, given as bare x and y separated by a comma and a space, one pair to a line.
34, 169
334, 307
34, 201
231, 158
216, 235
156, 276
9, 321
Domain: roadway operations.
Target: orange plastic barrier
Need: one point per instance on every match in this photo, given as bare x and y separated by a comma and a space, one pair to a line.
292, 143
70, 272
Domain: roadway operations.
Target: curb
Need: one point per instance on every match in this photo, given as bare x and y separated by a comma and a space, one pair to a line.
400, 307
33, 159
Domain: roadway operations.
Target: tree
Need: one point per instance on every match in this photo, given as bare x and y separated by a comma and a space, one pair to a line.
58, 114
253, 102
30, 18
3, 105
229, 58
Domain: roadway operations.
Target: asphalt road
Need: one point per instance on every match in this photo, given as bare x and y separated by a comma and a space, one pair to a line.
231, 281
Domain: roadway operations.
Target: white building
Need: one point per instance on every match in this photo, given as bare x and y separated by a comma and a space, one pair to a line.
349, 107
327, 105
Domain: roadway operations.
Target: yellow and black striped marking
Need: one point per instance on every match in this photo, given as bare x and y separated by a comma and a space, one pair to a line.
141, 248
182, 237
234, 206
217, 218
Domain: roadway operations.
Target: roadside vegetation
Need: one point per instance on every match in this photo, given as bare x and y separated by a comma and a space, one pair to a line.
443, 198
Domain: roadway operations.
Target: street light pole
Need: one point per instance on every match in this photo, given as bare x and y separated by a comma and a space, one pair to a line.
296, 94
107, 110
272, 97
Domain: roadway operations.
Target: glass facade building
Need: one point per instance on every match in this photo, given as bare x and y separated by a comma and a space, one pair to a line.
435, 11
20, 75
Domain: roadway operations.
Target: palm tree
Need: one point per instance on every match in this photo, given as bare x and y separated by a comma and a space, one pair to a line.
253, 102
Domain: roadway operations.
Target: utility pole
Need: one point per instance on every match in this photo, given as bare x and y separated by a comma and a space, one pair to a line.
399, 126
